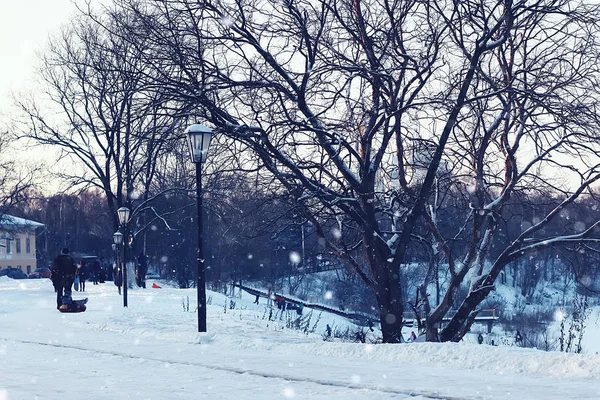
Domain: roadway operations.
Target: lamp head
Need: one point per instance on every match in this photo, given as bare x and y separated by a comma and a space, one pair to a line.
199, 138
117, 238
123, 214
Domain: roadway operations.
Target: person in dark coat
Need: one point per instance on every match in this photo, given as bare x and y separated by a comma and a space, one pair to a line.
142, 270
63, 275
328, 331
95, 273
83, 274
117, 277
518, 337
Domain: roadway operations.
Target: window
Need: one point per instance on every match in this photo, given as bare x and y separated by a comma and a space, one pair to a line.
28, 245
28, 269
18, 245
8, 246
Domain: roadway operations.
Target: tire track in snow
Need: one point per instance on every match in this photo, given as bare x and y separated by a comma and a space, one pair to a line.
242, 371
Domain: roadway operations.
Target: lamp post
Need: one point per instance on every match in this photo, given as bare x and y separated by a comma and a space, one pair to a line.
123, 214
114, 250
199, 137
117, 240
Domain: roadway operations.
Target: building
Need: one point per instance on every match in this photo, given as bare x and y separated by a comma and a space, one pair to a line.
17, 243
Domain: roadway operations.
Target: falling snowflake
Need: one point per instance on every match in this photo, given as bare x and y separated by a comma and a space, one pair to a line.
164, 259
328, 295
355, 379
586, 280
336, 233
390, 318
295, 257
559, 315
579, 226
289, 393
227, 21
250, 256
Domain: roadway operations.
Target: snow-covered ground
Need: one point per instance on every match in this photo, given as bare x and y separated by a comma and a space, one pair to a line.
151, 350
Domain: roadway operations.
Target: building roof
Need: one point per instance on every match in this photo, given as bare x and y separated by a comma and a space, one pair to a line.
9, 221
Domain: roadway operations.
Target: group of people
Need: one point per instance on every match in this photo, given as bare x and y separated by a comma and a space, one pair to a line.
282, 304
141, 269
67, 275
85, 271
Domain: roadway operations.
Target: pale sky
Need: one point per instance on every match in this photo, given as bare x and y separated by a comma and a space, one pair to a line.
24, 29
25, 26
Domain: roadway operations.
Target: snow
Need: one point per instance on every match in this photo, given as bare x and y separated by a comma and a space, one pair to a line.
151, 350
10, 220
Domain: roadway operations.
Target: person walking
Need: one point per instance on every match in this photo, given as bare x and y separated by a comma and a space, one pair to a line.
76, 281
412, 337
95, 271
83, 273
480, 338
63, 275
117, 277
142, 270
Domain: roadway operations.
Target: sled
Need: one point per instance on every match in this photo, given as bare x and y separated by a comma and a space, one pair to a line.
74, 306
155, 286
68, 308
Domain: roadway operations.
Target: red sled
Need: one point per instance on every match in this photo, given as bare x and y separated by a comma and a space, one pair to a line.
155, 286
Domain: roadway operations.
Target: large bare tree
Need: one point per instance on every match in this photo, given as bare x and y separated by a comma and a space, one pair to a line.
366, 110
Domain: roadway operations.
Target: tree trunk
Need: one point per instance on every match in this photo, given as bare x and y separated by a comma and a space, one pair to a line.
390, 303
455, 330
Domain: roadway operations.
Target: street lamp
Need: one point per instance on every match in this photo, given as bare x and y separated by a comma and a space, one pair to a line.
123, 214
117, 240
114, 251
199, 136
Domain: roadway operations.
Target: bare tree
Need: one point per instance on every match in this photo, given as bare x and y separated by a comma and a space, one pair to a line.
99, 113
532, 111
362, 109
